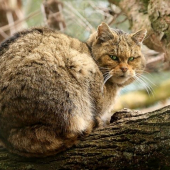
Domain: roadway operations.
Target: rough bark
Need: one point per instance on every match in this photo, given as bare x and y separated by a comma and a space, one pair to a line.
154, 15
133, 141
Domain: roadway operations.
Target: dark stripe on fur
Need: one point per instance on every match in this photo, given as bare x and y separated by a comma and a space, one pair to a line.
6, 43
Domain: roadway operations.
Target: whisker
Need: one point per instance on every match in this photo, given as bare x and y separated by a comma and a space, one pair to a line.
148, 88
147, 79
106, 77
144, 71
141, 82
145, 82
144, 77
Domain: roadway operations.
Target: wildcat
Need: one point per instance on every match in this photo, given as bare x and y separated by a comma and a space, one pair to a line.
55, 89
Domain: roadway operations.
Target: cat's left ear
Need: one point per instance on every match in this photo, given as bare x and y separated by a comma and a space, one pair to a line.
104, 33
139, 36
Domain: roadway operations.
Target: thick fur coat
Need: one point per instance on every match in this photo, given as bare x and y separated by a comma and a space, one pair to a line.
55, 89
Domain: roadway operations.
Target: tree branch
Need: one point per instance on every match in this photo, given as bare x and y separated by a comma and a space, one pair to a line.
133, 141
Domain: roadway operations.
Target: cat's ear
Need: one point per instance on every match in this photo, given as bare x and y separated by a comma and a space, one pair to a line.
139, 36
104, 33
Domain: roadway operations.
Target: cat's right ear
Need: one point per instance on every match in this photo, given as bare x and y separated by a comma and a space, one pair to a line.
104, 33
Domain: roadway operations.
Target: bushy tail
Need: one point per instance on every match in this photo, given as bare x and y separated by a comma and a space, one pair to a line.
38, 141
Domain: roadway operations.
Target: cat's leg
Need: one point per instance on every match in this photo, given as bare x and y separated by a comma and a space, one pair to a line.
80, 126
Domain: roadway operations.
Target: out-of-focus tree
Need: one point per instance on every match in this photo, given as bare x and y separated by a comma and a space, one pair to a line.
154, 15
10, 12
53, 14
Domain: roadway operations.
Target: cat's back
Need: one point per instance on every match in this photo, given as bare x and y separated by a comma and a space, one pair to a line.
45, 46
37, 40
50, 88
44, 71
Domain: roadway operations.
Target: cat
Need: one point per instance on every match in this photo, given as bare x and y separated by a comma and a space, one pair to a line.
55, 89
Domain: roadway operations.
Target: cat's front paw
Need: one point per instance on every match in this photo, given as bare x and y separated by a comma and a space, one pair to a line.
124, 113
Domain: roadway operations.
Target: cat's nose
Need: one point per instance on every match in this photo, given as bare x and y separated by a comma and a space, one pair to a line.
124, 69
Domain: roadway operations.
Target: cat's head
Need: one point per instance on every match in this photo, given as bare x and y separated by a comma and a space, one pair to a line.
118, 54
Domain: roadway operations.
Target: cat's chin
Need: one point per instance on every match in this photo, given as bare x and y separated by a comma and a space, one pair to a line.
122, 80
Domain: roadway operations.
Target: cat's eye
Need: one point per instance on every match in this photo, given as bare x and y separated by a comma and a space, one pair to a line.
113, 57
131, 58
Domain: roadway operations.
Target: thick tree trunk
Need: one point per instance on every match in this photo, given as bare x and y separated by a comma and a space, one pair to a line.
133, 141
154, 15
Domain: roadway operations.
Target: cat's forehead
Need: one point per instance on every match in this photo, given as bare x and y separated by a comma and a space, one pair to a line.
125, 50
121, 37
123, 46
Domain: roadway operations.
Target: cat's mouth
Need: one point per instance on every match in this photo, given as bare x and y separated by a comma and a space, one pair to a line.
122, 76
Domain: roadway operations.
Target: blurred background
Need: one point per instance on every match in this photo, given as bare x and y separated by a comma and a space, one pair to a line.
79, 18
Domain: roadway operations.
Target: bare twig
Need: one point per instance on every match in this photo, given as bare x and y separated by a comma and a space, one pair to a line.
10, 21
7, 27
78, 20
44, 14
120, 22
104, 11
60, 23
4, 35
79, 15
